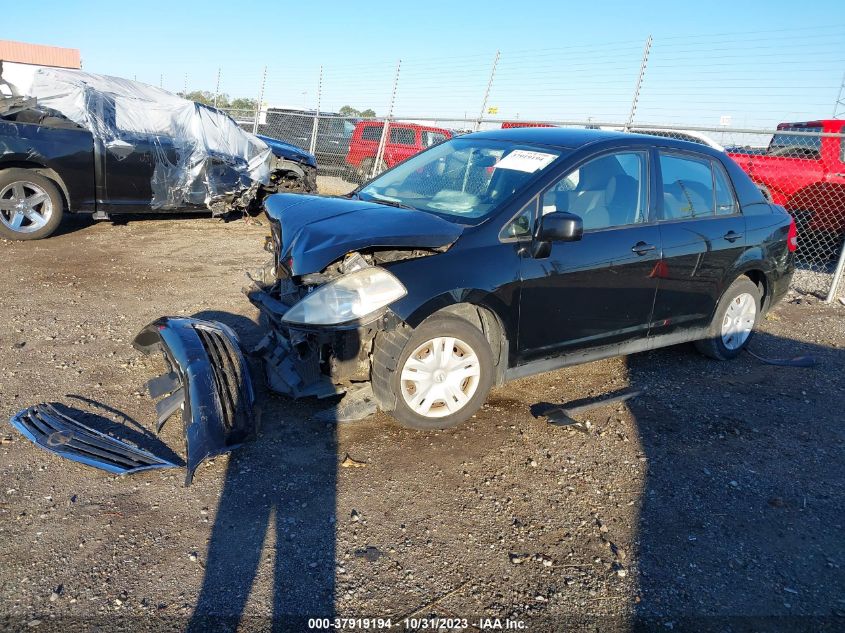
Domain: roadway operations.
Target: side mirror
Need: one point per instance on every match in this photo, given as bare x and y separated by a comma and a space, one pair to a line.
560, 226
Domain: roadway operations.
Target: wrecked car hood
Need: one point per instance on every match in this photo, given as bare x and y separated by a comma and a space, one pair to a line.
315, 230
286, 150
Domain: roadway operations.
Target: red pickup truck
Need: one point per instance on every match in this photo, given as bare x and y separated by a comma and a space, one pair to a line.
804, 173
405, 140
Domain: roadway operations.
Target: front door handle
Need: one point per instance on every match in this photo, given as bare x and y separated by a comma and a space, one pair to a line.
732, 236
641, 248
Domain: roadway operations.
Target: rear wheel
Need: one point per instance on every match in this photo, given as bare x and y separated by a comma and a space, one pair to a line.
30, 205
733, 324
433, 377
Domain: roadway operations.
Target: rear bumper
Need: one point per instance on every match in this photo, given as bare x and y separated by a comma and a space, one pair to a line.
208, 378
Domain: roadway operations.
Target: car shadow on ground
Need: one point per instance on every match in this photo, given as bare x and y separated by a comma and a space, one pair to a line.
279, 493
73, 222
740, 523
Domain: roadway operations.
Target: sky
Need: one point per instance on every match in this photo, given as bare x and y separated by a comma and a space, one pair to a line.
755, 63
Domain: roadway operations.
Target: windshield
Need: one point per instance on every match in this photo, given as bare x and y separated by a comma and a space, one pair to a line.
464, 179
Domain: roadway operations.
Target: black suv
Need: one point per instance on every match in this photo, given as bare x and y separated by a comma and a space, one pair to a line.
296, 127
501, 254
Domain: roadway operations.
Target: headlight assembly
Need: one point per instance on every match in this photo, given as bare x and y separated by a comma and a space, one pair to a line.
352, 297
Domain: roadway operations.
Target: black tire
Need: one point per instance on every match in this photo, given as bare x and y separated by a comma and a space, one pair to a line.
392, 350
713, 346
31, 182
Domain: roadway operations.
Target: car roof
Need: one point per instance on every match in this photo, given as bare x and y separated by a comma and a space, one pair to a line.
575, 138
401, 124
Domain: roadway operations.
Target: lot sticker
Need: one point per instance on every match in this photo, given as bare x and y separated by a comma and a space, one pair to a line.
524, 160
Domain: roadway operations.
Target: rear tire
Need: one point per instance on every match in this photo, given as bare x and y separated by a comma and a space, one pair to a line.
733, 324
30, 205
433, 377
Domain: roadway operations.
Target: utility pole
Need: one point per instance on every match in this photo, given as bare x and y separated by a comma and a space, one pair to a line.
384, 130
260, 101
217, 87
639, 85
839, 106
316, 114
487, 92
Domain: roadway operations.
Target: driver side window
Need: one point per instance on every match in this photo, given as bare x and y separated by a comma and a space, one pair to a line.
605, 192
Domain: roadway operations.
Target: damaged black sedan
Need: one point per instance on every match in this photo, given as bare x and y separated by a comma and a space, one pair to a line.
502, 254
77, 142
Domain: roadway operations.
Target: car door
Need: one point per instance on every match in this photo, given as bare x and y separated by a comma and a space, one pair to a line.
135, 157
702, 231
598, 290
402, 144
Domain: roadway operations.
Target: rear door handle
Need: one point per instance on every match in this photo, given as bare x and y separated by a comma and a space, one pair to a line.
732, 236
641, 248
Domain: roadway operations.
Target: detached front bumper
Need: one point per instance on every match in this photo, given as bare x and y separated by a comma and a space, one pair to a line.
208, 378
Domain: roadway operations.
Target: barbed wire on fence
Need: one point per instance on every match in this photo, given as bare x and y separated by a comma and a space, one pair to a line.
732, 88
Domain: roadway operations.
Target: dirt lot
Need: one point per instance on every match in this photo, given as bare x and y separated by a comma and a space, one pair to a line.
717, 493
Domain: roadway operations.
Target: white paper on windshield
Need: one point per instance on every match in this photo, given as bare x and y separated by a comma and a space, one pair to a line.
524, 160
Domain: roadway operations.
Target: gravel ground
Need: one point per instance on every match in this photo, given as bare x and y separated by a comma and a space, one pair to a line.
715, 495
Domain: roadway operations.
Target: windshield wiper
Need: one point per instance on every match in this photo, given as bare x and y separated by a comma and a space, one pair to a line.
389, 203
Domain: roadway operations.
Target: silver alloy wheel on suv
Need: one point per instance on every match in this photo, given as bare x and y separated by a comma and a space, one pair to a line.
25, 207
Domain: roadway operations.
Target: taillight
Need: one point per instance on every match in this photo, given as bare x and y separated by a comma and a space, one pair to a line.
792, 237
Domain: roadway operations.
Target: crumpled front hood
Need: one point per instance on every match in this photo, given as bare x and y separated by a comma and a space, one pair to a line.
286, 150
319, 230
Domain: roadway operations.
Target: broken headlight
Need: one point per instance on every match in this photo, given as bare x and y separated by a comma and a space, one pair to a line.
348, 298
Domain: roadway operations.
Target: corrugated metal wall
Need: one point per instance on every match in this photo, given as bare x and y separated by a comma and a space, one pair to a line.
38, 54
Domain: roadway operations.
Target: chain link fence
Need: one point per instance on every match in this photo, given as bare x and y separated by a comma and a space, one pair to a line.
801, 166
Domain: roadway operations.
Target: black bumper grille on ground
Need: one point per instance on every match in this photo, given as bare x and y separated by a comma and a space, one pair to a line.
58, 433
228, 375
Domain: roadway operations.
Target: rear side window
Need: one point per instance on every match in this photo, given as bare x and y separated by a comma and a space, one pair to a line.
725, 201
432, 138
402, 136
688, 190
371, 133
808, 146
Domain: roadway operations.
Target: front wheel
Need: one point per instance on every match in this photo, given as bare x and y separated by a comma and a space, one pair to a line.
733, 324
30, 205
436, 377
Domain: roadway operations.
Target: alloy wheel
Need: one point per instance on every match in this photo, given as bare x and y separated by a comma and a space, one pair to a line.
25, 207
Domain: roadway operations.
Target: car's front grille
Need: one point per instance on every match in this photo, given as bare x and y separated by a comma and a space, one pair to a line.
228, 375
58, 433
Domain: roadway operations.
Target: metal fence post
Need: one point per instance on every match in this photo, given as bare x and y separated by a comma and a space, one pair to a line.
837, 275
384, 130
639, 84
217, 87
313, 147
260, 101
487, 92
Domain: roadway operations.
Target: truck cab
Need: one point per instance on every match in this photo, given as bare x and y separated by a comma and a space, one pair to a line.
803, 170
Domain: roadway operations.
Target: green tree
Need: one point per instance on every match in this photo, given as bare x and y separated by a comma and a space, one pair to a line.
206, 97
244, 103
354, 112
